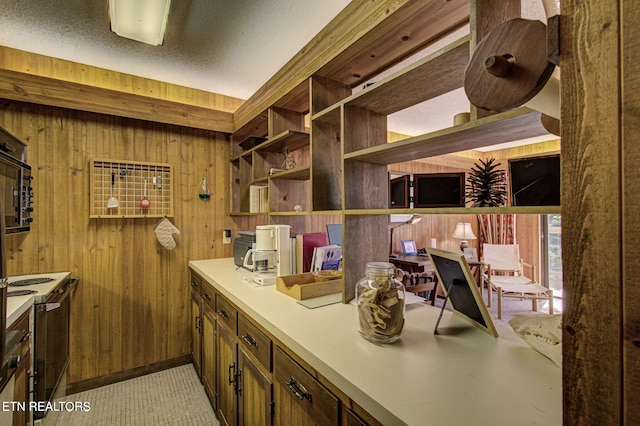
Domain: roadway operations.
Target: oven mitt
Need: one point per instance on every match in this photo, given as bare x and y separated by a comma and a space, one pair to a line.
164, 231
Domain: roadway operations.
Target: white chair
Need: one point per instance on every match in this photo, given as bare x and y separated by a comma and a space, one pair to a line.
503, 272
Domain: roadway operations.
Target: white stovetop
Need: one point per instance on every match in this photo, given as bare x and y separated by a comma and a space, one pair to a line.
17, 305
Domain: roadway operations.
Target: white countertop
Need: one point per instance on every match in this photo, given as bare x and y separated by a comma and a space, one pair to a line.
461, 376
17, 305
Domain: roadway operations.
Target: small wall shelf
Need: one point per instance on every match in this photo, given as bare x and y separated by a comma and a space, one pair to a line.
126, 181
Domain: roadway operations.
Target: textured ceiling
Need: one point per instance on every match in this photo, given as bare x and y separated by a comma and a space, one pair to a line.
231, 47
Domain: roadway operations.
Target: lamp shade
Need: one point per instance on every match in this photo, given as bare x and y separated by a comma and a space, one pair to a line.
463, 231
140, 20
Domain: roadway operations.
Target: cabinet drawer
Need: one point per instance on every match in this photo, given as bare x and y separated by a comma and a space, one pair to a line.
305, 390
227, 314
208, 295
254, 341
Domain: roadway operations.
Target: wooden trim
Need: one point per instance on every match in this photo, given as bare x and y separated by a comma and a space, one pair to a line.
120, 376
50, 91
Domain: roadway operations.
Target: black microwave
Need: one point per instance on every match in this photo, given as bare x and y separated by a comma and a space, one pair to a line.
15, 184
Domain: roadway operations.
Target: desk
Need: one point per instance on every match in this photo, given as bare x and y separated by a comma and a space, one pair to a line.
412, 264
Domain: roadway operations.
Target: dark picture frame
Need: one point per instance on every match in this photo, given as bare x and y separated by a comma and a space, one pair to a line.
438, 190
399, 192
455, 277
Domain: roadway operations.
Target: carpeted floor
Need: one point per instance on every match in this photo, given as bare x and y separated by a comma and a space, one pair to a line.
511, 307
172, 397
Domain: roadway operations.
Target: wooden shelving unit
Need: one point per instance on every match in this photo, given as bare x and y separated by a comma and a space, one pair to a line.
346, 172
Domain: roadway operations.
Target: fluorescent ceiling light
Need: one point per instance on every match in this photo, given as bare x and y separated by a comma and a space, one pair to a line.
140, 20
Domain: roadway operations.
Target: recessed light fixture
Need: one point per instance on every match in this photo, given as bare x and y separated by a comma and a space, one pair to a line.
140, 20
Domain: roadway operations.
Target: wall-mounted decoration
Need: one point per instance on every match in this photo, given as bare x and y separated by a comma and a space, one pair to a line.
141, 189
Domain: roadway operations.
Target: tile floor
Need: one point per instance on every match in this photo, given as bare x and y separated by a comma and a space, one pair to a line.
172, 397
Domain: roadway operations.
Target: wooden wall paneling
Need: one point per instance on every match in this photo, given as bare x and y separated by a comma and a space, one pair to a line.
592, 210
45, 66
631, 213
131, 307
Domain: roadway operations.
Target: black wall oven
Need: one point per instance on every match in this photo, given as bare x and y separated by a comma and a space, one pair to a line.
51, 346
15, 184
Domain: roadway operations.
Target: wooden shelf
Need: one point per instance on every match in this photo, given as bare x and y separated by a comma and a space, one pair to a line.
299, 173
290, 138
517, 124
458, 210
437, 74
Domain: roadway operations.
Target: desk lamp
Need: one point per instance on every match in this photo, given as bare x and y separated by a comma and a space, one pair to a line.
463, 232
412, 220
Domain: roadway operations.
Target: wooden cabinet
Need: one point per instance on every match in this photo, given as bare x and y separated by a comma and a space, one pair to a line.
255, 392
255, 377
227, 377
196, 318
203, 335
23, 370
244, 385
300, 399
209, 353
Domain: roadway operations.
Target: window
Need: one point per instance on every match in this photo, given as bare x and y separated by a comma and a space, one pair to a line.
552, 254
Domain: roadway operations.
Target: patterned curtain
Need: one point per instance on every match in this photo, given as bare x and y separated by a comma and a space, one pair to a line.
496, 229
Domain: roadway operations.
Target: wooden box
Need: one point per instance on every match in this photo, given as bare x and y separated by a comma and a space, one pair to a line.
303, 286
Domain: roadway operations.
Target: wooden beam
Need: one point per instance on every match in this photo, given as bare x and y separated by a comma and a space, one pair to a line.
49, 91
360, 24
592, 189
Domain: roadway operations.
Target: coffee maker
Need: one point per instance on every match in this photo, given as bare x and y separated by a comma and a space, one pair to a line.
271, 256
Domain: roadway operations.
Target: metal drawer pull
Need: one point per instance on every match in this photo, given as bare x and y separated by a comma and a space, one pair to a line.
223, 313
232, 367
250, 340
205, 296
297, 389
194, 284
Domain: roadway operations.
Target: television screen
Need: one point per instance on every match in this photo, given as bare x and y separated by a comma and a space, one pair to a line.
535, 181
399, 192
438, 190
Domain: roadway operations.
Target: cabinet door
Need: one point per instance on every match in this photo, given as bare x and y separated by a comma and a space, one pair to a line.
254, 393
209, 353
196, 346
226, 377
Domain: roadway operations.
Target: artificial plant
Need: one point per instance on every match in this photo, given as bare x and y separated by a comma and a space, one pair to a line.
486, 184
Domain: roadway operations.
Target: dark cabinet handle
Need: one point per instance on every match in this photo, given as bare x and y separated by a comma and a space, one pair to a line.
198, 324
205, 296
223, 313
194, 284
232, 367
298, 389
250, 340
636, 343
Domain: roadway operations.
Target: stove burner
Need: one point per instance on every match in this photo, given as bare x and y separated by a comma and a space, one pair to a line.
20, 292
31, 281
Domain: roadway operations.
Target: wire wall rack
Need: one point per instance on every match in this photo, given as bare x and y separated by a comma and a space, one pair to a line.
130, 189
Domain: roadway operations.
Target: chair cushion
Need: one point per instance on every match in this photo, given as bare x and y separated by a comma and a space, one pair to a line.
517, 285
